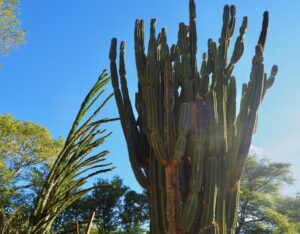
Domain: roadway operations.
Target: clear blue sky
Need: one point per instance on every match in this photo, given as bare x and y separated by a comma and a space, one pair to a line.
67, 46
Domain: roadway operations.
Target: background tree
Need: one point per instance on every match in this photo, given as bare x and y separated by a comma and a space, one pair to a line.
107, 199
11, 34
290, 206
79, 212
262, 208
27, 151
118, 209
135, 213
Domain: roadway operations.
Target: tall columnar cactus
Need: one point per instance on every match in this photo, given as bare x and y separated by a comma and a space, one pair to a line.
188, 146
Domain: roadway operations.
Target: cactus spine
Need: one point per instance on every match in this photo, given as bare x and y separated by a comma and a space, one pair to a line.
188, 146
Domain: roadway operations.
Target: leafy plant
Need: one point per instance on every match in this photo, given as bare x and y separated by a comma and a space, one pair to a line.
11, 34
73, 166
263, 209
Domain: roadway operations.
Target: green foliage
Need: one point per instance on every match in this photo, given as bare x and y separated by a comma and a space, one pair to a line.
118, 209
188, 145
135, 212
290, 206
262, 208
107, 198
25, 147
11, 34
27, 150
74, 165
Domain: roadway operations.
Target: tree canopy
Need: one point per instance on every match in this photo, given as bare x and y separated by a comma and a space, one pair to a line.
11, 33
263, 209
118, 209
27, 151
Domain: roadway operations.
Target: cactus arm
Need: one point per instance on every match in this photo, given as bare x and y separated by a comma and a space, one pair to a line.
231, 111
264, 30
204, 77
139, 46
151, 105
271, 79
209, 222
193, 40
184, 126
190, 206
238, 48
115, 82
187, 93
140, 154
252, 100
169, 103
231, 24
189, 211
125, 121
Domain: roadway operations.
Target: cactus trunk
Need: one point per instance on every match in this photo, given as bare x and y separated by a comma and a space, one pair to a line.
188, 146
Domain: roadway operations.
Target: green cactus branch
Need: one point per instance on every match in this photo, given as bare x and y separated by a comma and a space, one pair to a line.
188, 145
73, 166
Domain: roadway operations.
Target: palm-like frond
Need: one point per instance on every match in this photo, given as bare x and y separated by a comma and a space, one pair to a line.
74, 165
